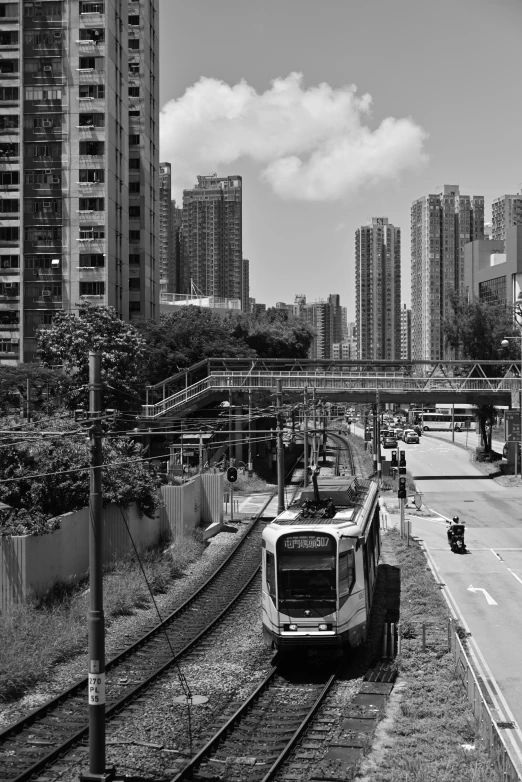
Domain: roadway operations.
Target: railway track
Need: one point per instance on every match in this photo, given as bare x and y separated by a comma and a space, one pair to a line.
255, 742
343, 458
50, 731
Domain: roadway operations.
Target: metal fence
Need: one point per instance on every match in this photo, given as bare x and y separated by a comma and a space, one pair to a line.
445, 637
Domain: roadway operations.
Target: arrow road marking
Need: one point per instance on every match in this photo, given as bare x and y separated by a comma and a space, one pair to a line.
488, 597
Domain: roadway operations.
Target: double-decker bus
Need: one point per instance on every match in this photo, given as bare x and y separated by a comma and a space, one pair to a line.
442, 417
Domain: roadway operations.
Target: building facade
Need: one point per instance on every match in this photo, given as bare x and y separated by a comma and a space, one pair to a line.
326, 317
167, 269
378, 290
441, 225
506, 211
78, 163
212, 243
405, 333
493, 269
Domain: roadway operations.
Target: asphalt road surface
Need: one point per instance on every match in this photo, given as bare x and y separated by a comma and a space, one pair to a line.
485, 585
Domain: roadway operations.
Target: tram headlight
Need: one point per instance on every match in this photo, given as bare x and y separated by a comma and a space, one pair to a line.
291, 628
325, 627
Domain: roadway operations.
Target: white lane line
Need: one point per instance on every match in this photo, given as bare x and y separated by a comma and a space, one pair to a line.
503, 712
497, 555
515, 575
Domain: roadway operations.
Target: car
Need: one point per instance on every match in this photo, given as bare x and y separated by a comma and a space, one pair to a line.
399, 433
390, 441
410, 436
386, 433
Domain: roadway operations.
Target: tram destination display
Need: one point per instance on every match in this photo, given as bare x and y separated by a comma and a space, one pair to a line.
308, 542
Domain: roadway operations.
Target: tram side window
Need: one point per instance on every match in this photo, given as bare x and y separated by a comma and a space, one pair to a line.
270, 575
346, 574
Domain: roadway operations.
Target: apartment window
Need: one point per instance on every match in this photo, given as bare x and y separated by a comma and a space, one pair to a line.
9, 318
9, 205
42, 206
134, 306
134, 283
134, 43
43, 178
9, 346
92, 8
43, 121
92, 148
8, 10
8, 178
9, 37
9, 233
9, 94
93, 232
91, 204
134, 19
9, 261
94, 91
94, 34
134, 212
39, 261
134, 163
134, 114
92, 288
92, 260
134, 92
134, 187
134, 236
94, 175
43, 151
44, 236
134, 259
134, 69
8, 66
96, 120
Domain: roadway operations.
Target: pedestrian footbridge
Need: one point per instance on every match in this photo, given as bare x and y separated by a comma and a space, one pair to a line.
403, 382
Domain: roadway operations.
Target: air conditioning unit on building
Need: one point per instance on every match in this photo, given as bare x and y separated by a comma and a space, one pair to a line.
46, 292
47, 123
47, 68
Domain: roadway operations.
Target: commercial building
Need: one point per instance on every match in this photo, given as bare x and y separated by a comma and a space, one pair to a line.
441, 225
493, 269
378, 290
506, 211
212, 243
78, 163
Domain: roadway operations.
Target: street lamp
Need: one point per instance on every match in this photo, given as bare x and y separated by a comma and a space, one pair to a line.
505, 343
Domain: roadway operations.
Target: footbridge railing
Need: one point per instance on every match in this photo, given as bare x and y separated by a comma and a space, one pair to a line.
357, 378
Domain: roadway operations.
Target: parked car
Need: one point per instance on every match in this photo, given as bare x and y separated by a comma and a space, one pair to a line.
410, 436
390, 441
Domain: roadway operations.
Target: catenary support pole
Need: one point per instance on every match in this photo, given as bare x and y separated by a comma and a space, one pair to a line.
28, 399
305, 429
250, 465
96, 625
378, 437
280, 450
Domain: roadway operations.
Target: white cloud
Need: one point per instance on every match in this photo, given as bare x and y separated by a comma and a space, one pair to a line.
311, 144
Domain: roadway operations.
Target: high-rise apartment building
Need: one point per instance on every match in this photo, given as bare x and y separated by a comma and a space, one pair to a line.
441, 225
405, 333
167, 269
506, 211
245, 281
212, 243
326, 318
378, 290
78, 162
181, 269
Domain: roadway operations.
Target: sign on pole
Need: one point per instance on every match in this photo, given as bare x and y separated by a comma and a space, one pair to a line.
512, 424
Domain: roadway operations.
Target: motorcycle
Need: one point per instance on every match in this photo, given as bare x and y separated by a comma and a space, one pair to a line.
456, 538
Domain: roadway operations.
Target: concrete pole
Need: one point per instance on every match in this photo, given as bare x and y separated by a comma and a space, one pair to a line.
250, 465
305, 428
238, 445
280, 451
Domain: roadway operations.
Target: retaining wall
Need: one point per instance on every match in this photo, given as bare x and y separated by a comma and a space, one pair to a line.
30, 565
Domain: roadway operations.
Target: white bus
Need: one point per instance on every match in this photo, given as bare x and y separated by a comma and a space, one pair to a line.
441, 417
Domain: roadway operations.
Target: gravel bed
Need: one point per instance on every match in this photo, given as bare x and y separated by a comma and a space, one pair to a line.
231, 665
66, 674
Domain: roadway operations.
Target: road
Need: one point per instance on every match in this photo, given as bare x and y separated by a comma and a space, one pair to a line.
452, 485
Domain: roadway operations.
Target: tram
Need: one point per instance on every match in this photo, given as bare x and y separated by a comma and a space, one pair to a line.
319, 566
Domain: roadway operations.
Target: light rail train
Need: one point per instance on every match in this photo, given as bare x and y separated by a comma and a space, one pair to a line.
320, 566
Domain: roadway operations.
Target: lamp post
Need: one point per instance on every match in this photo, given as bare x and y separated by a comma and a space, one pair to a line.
505, 343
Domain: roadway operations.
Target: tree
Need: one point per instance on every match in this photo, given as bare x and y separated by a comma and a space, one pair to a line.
67, 343
43, 383
274, 334
64, 459
184, 337
475, 330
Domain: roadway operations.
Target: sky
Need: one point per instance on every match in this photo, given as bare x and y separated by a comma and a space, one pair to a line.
334, 112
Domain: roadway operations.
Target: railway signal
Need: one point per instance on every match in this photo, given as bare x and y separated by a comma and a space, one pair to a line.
232, 474
401, 494
402, 463
394, 462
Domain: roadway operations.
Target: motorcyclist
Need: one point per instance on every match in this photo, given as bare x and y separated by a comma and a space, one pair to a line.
455, 520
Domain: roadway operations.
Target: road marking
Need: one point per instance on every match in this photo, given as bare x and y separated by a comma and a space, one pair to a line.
515, 575
488, 597
497, 555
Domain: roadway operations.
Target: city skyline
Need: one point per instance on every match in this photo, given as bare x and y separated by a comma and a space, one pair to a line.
409, 80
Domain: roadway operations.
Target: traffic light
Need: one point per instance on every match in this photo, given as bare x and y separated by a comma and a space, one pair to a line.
401, 494
232, 475
402, 463
394, 462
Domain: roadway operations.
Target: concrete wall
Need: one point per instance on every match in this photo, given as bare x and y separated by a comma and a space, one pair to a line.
30, 565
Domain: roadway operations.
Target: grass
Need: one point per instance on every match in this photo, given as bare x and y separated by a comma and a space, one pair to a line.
247, 485
427, 724
36, 638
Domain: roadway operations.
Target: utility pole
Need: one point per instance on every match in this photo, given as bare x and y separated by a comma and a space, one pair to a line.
315, 459
374, 454
250, 465
280, 450
96, 622
200, 452
28, 399
378, 437
305, 426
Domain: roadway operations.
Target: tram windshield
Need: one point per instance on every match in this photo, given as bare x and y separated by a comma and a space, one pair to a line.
307, 573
